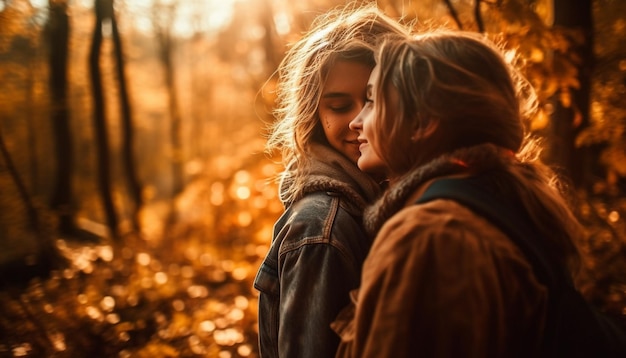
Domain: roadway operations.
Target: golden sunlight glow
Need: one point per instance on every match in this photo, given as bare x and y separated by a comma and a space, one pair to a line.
160, 278
178, 305
58, 341
113, 318
536, 55
178, 281
510, 56
143, 259
244, 350
188, 17
217, 193
242, 192
107, 304
207, 326
241, 302
244, 218
240, 273
228, 336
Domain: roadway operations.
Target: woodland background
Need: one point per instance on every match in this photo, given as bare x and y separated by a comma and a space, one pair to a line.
136, 201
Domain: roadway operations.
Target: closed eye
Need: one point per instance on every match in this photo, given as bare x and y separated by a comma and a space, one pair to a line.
341, 109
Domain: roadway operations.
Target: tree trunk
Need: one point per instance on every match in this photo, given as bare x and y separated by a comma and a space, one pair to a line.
31, 138
61, 201
100, 127
31, 211
48, 256
271, 54
568, 121
166, 51
128, 133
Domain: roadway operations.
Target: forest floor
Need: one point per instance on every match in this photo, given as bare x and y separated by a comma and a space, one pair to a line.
136, 301
183, 289
186, 290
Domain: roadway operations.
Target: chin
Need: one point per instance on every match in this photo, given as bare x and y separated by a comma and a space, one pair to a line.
354, 157
365, 166
376, 170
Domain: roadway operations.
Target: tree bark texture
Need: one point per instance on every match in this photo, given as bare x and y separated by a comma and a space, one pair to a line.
166, 52
99, 121
568, 121
128, 134
61, 200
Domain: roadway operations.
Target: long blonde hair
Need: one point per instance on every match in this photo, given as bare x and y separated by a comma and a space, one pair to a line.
349, 33
461, 83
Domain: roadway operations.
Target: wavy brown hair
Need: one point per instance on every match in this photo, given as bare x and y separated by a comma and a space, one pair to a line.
460, 84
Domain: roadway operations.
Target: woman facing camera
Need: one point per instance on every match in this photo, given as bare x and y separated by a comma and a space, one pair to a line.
319, 244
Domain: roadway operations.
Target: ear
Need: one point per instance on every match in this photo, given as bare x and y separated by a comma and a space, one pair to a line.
424, 132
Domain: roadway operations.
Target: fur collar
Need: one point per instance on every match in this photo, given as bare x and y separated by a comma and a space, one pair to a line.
475, 159
330, 171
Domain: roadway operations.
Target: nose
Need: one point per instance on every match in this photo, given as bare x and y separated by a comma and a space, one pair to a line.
357, 123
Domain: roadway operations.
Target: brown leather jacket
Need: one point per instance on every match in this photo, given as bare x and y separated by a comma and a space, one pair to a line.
441, 281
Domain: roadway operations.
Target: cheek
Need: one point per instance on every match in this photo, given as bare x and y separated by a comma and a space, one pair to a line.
342, 123
326, 123
323, 118
368, 126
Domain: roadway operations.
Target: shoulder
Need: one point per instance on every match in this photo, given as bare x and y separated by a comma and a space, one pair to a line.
318, 217
321, 206
317, 229
313, 208
446, 229
444, 248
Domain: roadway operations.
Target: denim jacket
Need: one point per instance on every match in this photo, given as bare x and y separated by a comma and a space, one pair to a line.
314, 261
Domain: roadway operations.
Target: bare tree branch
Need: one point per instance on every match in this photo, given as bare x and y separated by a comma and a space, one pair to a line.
478, 17
454, 14
33, 216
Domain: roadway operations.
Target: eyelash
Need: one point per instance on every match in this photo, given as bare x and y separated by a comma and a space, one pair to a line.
341, 109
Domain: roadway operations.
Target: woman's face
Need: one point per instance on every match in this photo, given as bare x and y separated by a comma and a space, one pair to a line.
369, 161
343, 96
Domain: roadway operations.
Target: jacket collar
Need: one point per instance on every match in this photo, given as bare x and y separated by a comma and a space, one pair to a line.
466, 160
332, 172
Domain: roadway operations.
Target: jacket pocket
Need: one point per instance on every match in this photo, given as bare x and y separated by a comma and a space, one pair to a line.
266, 280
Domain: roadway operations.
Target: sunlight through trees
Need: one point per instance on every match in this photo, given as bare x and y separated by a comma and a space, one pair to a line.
145, 121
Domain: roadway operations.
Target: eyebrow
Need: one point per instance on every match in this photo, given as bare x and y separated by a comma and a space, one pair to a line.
335, 95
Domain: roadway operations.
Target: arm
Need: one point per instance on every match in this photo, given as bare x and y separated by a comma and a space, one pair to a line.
315, 281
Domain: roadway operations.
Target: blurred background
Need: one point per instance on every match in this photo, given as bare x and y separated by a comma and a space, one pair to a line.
136, 200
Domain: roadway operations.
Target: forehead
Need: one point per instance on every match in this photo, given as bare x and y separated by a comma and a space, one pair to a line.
373, 80
346, 77
375, 75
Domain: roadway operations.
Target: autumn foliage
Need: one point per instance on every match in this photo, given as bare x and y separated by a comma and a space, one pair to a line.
184, 89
